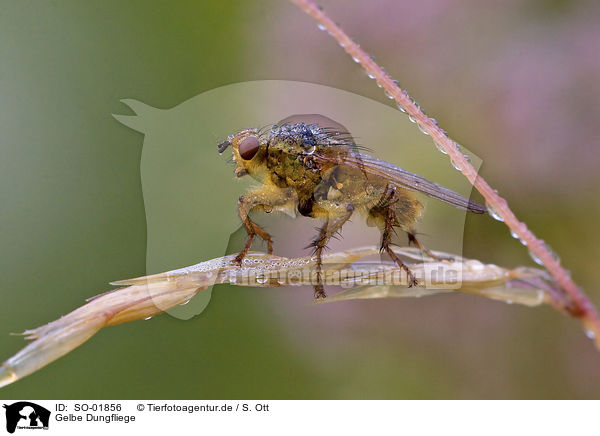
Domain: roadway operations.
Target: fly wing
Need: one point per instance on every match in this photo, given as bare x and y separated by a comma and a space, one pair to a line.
403, 179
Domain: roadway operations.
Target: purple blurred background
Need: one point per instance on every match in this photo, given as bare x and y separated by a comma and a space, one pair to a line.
518, 83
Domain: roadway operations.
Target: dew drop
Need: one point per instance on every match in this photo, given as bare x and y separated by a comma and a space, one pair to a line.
493, 213
411, 119
422, 129
552, 252
514, 235
401, 109
535, 258
379, 85
311, 150
440, 148
320, 26
185, 302
261, 278
388, 95
590, 334
467, 157
148, 318
355, 59
370, 76
455, 165
509, 302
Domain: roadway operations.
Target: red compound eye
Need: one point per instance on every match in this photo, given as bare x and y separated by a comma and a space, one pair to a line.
249, 147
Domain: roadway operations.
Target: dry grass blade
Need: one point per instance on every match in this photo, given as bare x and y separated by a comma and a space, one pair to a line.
147, 296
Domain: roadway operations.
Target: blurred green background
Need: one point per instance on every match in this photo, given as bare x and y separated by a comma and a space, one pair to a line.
516, 82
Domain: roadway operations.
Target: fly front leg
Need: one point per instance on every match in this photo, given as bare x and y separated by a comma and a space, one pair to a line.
267, 198
337, 215
252, 229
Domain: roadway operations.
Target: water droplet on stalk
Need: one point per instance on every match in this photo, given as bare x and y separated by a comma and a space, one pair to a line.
320, 26
552, 252
423, 131
535, 258
493, 213
440, 148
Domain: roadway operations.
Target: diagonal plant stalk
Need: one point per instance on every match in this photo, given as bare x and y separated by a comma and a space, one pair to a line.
571, 300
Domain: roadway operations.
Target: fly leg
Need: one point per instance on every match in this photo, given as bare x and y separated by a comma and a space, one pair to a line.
342, 212
412, 239
265, 199
386, 208
252, 229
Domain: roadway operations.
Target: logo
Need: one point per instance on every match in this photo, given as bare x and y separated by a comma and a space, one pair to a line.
26, 415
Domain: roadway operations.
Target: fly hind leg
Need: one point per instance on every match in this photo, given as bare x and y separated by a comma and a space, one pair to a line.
386, 209
412, 239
